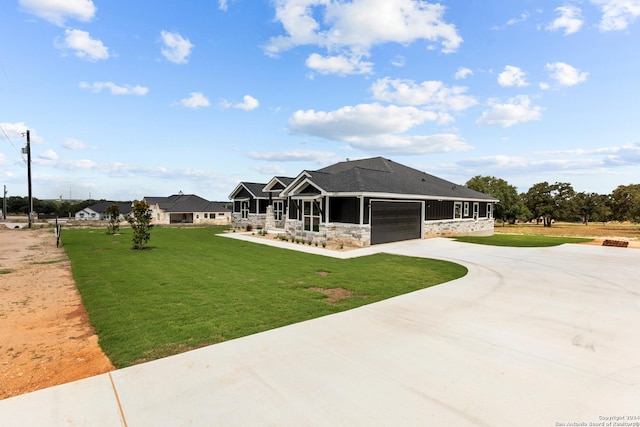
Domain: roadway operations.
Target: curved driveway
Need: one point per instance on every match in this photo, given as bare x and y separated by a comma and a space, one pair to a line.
530, 337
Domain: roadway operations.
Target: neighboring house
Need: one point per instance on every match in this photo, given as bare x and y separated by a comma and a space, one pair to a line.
251, 200
371, 201
97, 211
187, 209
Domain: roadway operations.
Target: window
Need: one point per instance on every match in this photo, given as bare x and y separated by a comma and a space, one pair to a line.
457, 210
206, 216
278, 210
489, 210
310, 215
466, 208
476, 209
244, 210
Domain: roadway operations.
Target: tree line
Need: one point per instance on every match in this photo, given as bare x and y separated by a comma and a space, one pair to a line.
545, 202
17, 205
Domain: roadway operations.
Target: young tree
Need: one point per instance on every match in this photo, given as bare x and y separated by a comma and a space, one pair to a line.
140, 220
511, 206
113, 212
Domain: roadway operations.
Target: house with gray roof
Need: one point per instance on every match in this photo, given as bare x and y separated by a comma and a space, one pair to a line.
376, 200
97, 211
187, 209
252, 200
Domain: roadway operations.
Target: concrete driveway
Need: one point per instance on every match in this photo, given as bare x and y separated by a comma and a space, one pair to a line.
530, 337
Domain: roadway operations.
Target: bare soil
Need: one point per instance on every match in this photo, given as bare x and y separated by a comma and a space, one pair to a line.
45, 335
597, 231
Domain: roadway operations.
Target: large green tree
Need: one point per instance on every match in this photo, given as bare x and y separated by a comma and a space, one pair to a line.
625, 202
550, 201
592, 207
511, 206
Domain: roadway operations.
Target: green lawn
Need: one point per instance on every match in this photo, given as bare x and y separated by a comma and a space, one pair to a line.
192, 288
522, 241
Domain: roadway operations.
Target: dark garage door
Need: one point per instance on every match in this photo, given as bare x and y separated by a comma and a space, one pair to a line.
394, 221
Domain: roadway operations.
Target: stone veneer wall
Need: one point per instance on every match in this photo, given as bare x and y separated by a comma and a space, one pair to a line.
348, 234
255, 220
465, 227
360, 235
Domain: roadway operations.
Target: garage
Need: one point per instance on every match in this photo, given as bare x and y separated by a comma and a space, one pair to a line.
395, 221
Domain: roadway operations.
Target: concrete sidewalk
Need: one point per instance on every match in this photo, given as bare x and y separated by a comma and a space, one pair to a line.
530, 337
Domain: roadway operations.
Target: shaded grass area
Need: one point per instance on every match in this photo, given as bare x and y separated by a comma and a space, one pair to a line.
522, 241
192, 288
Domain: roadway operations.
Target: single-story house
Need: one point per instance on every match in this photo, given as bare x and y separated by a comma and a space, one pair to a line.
251, 201
97, 212
187, 209
366, 202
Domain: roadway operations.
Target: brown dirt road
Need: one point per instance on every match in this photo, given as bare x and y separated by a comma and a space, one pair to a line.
45, 335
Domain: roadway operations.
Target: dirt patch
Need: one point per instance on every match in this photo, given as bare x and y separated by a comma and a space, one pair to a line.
334, 295
45, 335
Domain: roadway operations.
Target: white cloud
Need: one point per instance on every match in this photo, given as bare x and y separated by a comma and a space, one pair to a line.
570, 20
338, 64
516, 110
195, 100
248, 103
352, 28
463, 73
115, 89
84, 46
176, 48
398, 61
512, 76
432, 94
412, 144
513, 21
374, 127
223, 4
293, 156
363, 120
48, 155
617, 15
566, 75
74, 144
58, 11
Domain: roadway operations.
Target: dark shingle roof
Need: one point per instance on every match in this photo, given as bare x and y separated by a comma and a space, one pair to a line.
380, 175
185, 203
101, 207
256, 189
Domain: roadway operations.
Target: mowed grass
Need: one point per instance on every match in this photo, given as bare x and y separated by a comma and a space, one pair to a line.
520, 240
192, 288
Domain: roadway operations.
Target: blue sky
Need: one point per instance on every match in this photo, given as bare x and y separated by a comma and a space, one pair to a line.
126, 99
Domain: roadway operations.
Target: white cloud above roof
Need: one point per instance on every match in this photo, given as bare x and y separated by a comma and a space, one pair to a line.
463, 73
432, 94
175, 48
374, 127
515, 110
59, 11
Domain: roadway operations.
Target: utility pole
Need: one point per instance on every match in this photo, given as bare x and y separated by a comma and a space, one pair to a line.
4, 204
27, 151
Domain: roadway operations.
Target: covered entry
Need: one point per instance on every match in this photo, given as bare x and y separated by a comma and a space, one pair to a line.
395, 221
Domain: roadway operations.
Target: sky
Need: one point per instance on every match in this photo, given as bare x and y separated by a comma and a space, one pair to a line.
127, 99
